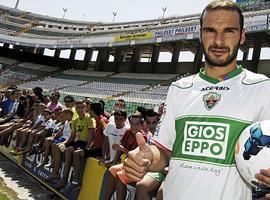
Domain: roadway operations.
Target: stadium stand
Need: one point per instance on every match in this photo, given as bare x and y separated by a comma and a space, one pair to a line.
7, 61
88, 73
50, 84
146, 76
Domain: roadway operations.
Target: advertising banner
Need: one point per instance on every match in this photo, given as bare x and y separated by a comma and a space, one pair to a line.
92, 180
177, 31
135, 36
31, 164
251, 4
256, 23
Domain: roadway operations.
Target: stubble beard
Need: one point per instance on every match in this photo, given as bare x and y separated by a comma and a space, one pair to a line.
220, 63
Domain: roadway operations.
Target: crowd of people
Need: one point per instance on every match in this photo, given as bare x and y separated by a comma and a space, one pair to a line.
72, 132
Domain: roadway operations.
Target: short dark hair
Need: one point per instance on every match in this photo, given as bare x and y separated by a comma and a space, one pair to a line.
120, 113
69, 97
80, 102
224, 5
37, 90
151, 113
146, 112
103, 102
97, 108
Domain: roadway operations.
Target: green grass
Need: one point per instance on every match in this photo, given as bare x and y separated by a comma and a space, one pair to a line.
3, 197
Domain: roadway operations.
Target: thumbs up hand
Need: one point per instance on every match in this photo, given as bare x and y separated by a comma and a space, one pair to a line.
139, 160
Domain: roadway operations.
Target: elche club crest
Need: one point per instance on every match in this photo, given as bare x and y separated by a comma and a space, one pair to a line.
211, 99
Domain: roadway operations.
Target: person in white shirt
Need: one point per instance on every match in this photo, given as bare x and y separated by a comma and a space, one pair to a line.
114, 132
120, 104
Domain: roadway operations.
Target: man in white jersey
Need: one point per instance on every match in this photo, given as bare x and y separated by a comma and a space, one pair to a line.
205, 114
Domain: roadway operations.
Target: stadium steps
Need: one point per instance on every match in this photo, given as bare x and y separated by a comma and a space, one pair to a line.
24, 14
26, 28
39, 77
154, 84
14, 82
120, 94
160, 83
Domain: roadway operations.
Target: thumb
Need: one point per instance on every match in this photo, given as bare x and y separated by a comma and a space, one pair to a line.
141, 142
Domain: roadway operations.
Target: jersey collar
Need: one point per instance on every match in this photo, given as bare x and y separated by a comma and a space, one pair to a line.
225, 77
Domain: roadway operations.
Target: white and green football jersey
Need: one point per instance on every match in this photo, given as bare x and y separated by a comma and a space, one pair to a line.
203, 120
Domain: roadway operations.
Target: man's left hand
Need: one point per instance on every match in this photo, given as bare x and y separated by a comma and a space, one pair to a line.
264, 177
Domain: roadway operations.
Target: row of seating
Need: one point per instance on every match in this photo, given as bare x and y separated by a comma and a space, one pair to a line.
114, 86
49, 83
126, 78
17, 20
88, 73
149, 76
12, 75
8, 61
144, 98
17, 27
28, 71
145, 87
78, 87
159, 89
39, 67
48, 37
89, 92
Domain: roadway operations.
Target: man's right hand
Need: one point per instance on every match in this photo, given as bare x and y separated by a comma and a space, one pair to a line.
139, 160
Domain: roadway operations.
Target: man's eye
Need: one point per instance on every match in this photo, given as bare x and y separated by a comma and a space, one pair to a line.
209, 30
229, 31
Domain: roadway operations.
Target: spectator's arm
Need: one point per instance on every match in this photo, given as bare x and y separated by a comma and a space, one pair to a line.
59, 133
91, 132
70, 139
105, 148
119, 147
117, 157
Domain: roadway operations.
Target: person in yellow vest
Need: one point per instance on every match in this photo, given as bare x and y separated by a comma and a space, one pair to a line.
81, 130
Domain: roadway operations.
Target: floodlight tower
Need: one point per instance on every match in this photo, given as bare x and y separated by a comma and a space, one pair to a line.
17, 3
164, 10
64, 10
114, 15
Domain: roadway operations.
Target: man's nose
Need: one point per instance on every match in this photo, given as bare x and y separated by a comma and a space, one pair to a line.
219, 38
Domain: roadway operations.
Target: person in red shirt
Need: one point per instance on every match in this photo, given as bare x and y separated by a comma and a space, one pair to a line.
95, 150
117, 180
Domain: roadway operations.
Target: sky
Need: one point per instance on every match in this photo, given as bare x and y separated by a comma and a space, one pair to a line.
102, 10
127, 10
